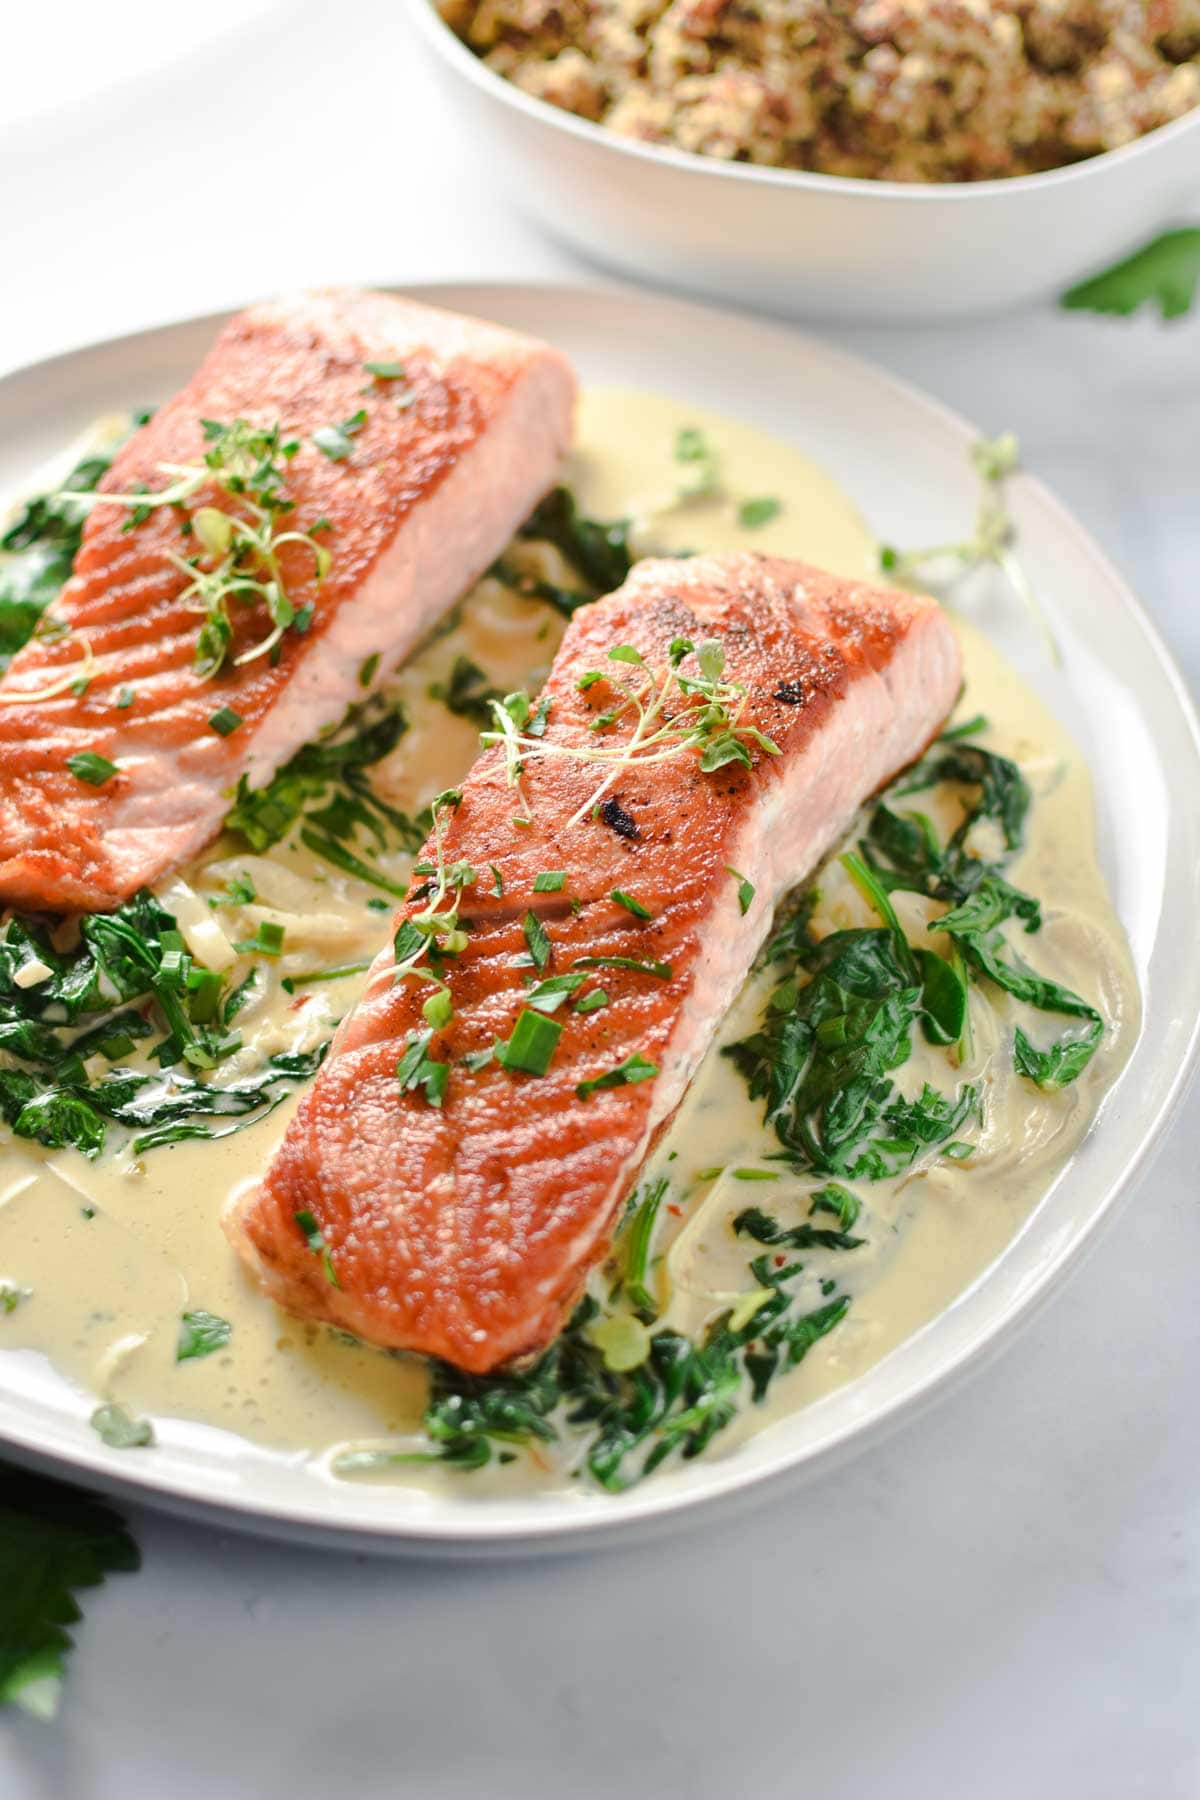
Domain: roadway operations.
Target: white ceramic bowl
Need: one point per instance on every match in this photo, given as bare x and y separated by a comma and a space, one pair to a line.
813, 245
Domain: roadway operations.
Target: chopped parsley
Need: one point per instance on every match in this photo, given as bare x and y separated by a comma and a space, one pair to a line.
89, 766
200, 1333
547, 996
753, 513
746, 890
314, 1237
336, 441
1164, 273
417, 1069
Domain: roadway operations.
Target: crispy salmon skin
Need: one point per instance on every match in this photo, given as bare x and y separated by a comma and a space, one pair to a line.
411, 443
458, 1203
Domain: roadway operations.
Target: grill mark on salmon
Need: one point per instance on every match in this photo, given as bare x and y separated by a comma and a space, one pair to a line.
432, 491
467, 1231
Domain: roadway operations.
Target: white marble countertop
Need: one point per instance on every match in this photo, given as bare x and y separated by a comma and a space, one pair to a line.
1002, 1599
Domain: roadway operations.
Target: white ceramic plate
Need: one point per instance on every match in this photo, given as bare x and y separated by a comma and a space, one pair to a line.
904, 459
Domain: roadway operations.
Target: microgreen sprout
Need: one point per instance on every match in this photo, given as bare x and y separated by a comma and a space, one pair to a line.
238, 541
426, 937
991, 541
672, 714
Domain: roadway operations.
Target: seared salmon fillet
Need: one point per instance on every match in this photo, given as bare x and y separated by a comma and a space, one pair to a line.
435, 435
455, 1209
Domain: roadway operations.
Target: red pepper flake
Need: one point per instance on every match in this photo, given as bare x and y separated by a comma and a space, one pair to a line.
779, 1261
672, 1208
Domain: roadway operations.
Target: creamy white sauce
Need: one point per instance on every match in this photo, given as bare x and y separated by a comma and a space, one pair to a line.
105, 1256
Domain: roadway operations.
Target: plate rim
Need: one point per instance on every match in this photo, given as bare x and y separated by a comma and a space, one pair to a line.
603, 1519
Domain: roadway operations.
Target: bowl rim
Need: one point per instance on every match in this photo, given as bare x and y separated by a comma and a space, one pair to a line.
444, 42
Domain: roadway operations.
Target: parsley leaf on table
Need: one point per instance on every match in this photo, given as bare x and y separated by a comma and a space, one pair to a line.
54, 1540
1167, 270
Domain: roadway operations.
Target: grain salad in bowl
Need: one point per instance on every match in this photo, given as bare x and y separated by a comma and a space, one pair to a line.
894, 90
886, 159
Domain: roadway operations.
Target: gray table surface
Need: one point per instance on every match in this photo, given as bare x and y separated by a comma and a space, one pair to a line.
1002, 1599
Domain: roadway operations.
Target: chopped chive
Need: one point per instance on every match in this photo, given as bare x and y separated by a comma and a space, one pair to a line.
635, 1068
366, 674
291, 982
497, 881
537, 939
478, 1059
225, 721
124, 698
630, 904
755, 1174
267, 940
746, 889
660, 970
532, 1044
385, 371
591, 1002
550, 881
87, 765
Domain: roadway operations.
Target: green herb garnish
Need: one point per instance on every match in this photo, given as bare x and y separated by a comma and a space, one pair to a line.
225, 721
417, 1069
336, 441
635, 1068
200, 1333
236, 560
753, 513
89, 766
54, 1542
1164, 273
119, 1430
631, 904
314, 1237
532, 1044
746, 890
537, 939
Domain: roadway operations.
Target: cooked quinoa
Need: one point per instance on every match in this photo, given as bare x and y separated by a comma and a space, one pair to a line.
902, 90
